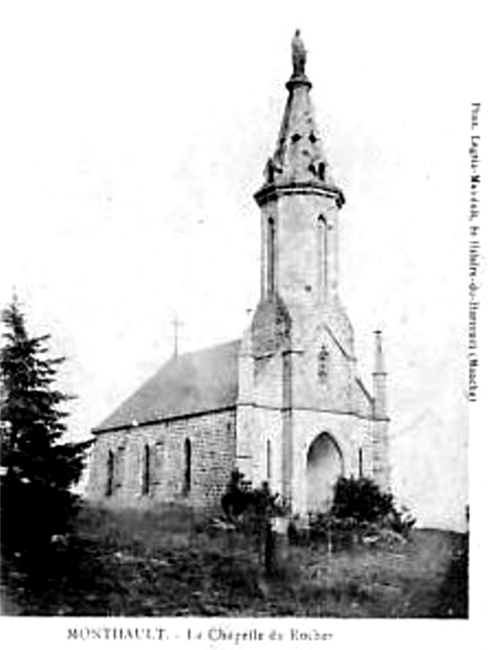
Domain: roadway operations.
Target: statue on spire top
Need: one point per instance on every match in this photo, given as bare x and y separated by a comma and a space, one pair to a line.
298, 55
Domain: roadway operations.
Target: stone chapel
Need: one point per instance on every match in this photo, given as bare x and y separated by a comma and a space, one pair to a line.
284, 403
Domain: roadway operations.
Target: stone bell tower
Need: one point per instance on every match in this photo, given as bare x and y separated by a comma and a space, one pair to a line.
299, 204
304, 418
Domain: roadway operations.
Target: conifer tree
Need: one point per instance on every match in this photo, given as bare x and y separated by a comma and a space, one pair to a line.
38, 467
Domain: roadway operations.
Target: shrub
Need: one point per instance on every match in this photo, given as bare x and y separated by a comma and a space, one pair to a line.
244, 503
359, 509
361, 500
238, 495
252, 510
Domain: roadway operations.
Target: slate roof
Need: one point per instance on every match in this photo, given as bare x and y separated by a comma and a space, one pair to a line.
196, 382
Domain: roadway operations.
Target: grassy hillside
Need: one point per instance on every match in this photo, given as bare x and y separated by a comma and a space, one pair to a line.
167, 563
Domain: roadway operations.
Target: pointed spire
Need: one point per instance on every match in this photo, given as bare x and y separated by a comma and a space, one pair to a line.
299, 157
379, 358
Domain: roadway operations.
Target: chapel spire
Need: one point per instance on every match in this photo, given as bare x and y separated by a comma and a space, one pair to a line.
299, 157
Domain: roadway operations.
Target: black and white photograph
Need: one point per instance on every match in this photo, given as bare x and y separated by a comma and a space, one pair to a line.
241, 295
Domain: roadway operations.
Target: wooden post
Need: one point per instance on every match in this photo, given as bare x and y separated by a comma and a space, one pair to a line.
329, 543
276, 545
269, 550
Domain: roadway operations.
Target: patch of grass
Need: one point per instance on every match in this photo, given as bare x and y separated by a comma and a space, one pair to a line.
171, 563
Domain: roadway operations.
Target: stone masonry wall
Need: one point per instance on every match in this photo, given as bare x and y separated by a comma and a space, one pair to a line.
297, 257
212, 441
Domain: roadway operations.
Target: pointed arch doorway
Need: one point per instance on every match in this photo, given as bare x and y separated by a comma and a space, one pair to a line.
324, 466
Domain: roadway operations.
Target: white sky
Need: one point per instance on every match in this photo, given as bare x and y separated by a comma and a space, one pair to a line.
133, 135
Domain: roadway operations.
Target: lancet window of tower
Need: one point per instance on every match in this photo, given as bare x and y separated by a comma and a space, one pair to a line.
323, 253
271, 239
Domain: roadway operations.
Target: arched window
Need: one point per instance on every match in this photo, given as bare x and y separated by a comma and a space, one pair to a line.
109, 486
187, 467
271, 255
323, 365
146, 470
268, 460
119, 466
322, 234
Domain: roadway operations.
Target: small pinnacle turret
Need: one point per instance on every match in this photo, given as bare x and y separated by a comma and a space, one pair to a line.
379, 359
379, 378
381, 420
